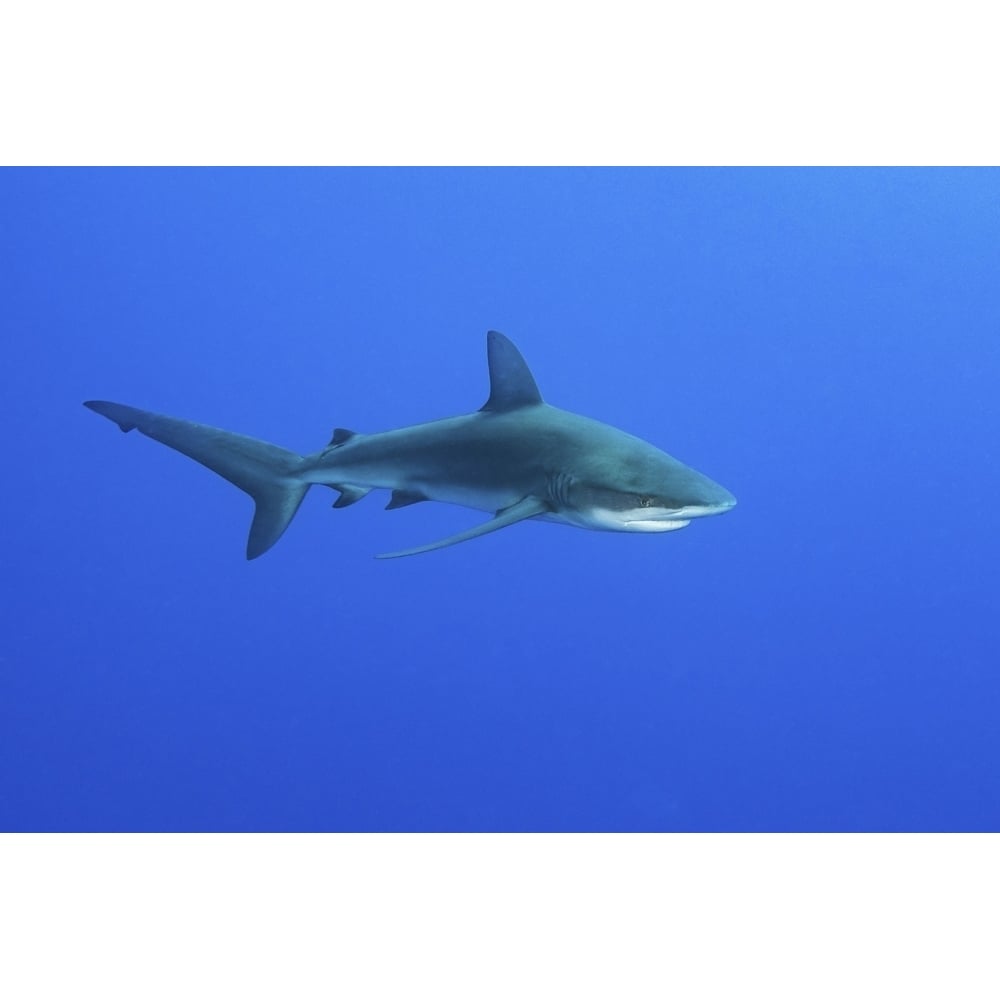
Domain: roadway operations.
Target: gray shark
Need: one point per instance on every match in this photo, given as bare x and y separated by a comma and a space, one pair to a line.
516, 457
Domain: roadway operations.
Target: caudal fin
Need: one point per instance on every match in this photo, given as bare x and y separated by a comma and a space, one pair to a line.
268, 473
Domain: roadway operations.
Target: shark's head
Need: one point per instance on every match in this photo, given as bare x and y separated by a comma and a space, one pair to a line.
643, 490
596, 476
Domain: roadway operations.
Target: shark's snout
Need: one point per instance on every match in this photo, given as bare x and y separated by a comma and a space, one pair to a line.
706, 496
723, 501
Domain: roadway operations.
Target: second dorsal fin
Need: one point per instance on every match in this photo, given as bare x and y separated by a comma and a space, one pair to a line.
340, 436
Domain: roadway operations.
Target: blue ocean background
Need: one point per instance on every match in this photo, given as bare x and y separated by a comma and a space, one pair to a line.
824, 343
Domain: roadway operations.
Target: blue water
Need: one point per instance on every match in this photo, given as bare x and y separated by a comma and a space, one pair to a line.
826, 344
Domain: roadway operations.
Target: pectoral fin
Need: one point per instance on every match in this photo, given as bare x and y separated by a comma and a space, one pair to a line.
520, 511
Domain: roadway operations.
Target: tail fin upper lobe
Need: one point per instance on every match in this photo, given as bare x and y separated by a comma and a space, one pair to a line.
268, 473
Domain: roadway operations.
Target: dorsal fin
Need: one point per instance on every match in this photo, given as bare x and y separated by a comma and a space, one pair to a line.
511, 383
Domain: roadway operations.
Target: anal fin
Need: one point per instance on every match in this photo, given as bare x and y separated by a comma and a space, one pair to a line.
520, 511
350, 494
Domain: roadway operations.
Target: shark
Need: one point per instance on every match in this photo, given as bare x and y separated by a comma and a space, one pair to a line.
517, 457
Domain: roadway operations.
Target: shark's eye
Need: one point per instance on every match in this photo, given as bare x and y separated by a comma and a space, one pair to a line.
645, 501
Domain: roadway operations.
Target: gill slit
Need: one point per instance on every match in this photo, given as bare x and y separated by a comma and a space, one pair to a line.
557, 487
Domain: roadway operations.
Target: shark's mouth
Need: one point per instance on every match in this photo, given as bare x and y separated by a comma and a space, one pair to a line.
646, 519
654, 524
669, 520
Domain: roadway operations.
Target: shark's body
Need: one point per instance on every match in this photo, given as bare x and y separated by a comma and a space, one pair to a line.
517, 458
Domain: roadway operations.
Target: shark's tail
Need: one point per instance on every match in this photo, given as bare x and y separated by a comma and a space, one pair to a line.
268, 473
